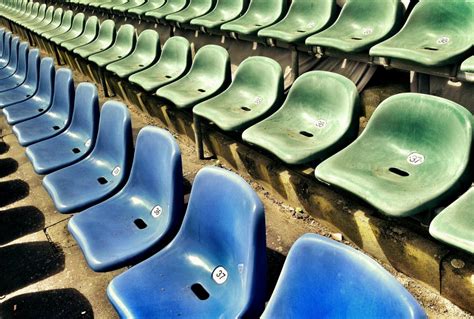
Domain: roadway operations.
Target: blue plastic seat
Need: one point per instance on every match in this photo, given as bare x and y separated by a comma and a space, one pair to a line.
19, 76
144, 216
16, 51
53, 121
76, 141
5, 58
322, 278
3, 34
103, 171
216, 265
28, 88
38, 103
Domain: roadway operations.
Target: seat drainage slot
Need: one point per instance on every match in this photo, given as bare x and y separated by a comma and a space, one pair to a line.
168, 76
307, 134
102, 180
40, 110
430, 49
398, 172
140, 223
356, 38
56, 127
75, 150
201, 90
200, 291
246, 109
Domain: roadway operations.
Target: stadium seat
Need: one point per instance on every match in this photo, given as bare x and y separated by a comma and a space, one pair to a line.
76, 29
147, 6
468, 65
17, 78
304, 18
64, 27
195, 8
455, 224
33, 12
322, 278
7, 49
49, 25
144, 216
128, 5
167, 8
260, 14
216, 265
55, 119
122, 46
98, 3
174, 61
224, 11
256, 91
437, 33
110, 5
319, 117
76, 141
209, 75
104, 40
28, 88
38, 103
17, 51
48, 14
103, 171
90, 32
360, 25
144, 54
412, 155
3, 34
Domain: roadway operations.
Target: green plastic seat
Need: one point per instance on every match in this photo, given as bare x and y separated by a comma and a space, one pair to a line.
304, 18
455, 224
48, 14
260, 14
256, 91
195, 8
319, 117
39, 13
144, 54
32, 11
437, 33
175, 60
123, 46
208, 76
147, 6
361, 24
104, 40
50, 22
98, 3
224, 11
64, 27
171, 6
412, 156
468, 65
128, 5
76, 29
110, 5
90, 32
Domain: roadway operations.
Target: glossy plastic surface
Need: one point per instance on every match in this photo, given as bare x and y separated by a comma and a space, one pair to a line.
167, 8
104, 40
128, 5
195, 8
224, 11
17, 50
64, 27
76, 29
122, 46
18, 77
90, 32
51, 23
148, 6
468, 65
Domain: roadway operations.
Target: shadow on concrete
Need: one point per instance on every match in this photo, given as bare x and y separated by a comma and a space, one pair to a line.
7, 166
24, 264
18, 222
13, 191
51, 304
275, 261
4, 147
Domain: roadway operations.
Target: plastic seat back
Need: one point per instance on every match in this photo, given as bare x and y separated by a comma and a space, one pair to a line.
46, 80
16, 50
63, 97
90, 32
7, 41
30, 11
77, 25
2, 40
224, 11
322, 278
194, 9
32, 69
168, 8
147, 6
210, 62
104, 40
55, 22
38, 21
22, 66
38, 15
122, 46
63, 27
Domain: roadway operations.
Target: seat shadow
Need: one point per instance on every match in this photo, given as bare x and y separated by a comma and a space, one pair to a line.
26, 263
18, 222
13, 191
275, 261
8, 166
52, 304
4, 147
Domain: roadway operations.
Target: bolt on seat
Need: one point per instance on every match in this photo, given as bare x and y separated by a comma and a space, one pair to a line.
215, 269
322, 278
104, 40
76, 141
455, 224
122, 47
224, 11
437, 33
412, 156
256, 91
320, 116
361, 24
304, 18
144, 216
174, 61
90, 32
260, 14
147, 6
209, 75
76, 29
170, 6
144, 54
29, 86
39, 102
195, 8
103, 172
55, 119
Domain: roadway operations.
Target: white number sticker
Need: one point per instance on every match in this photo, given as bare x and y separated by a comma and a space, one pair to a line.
156, 211
415, 159
311, 25
258, 100
443, 40
219, 275
367, 31
320, 123
88, 143
116, 171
